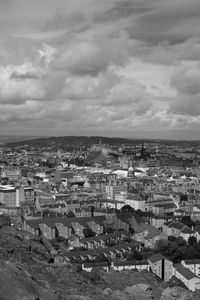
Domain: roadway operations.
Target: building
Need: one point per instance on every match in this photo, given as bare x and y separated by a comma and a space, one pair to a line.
164, 208
190, 280
139, 265
152, 236
136, 201
88, 267
161, 266
8, 196
112, 190
11, 173
193, 265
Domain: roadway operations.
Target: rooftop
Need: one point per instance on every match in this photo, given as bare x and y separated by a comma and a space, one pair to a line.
184, 272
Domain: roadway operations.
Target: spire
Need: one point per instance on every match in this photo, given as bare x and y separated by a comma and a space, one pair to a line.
143, 151
100, 141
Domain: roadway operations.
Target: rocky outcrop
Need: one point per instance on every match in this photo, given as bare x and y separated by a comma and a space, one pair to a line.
15, 284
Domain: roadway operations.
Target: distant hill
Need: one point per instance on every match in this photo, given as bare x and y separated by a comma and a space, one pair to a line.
74, 141
77, 141
4, 139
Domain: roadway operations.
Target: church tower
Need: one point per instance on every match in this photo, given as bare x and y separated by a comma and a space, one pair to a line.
130, 170
143, 152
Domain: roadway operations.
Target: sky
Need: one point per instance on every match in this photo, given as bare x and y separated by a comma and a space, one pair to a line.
123, 68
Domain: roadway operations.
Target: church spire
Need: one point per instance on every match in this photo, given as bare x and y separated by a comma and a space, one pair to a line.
143, 151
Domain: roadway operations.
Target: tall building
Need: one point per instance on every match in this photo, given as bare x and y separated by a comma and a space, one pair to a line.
112, 190
130, 170
11, 173
143, 152
8, 196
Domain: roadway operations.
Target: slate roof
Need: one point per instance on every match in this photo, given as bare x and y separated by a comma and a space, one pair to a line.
131, 263
50, 222
192, 261
152, 232
187, 230
141, 227
155, 258
100, 250
95, 264
185, 272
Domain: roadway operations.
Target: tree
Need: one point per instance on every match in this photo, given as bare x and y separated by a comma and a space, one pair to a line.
162, 246
127, 209
187, 221
180, 241
108, 230
192, 240
88, 232
70, 214
171, 238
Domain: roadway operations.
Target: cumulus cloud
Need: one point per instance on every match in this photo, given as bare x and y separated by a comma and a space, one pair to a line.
187, 79
186, 82
93, 56
95, 67
15, 91
23, 76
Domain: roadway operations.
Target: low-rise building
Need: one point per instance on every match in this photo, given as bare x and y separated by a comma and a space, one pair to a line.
190, 280
193, 265
139, 265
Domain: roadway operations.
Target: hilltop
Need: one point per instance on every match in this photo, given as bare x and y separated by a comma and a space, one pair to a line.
4, 139
77, 141
74, 141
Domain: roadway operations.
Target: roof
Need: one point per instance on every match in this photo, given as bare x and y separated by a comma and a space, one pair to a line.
101, 250
152, 232
192, 261
50, 222
95, 264
141, 227
103, 237
155, 258
131, 263
177, 225
184, 272
166, 205
197, 228
187, 230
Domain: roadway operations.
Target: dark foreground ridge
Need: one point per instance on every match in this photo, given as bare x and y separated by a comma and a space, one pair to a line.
27, 273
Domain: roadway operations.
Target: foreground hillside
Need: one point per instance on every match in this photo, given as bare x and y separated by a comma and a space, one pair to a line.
25, 274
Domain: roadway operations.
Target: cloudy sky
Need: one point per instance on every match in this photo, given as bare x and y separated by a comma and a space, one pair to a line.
112, 67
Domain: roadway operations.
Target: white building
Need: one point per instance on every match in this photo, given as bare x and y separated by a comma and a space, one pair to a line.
131, 265
193, 265
8, 196
121, 173
136, 202
190, 280
112, 190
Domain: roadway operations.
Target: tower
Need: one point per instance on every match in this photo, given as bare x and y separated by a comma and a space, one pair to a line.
143, 152
130, 170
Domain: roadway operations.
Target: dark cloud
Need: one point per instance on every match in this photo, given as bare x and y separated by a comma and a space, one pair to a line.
122, 9
94, 56
186, 105
187, 84
23, 76
167, 22
187, 79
